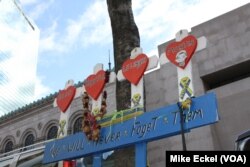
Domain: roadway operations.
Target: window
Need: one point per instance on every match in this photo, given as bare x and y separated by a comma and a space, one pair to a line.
8, 146
227, 75
77, 125
29, 140
52, 133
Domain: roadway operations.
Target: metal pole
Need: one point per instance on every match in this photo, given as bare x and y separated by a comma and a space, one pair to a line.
141, 154
182, 128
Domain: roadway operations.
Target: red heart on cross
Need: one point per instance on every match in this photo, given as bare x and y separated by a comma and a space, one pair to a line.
65, 97
180, 53
95, 83
133, 69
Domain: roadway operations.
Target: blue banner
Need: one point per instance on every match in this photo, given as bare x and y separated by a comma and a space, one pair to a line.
156, 124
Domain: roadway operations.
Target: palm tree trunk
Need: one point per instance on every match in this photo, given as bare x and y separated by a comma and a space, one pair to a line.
125, 38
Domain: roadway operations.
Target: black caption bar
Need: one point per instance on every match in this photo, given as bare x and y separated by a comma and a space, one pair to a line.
208, 158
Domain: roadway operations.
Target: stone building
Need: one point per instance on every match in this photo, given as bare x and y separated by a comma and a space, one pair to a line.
222, 67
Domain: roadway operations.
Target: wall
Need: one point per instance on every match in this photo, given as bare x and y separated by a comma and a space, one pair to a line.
223, 68
39, 118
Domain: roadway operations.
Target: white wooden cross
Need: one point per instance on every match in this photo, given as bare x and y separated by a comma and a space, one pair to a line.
187, 72
64, 116
96, 104
138, 89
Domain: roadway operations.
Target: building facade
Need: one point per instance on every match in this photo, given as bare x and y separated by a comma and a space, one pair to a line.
222, 67
18, 57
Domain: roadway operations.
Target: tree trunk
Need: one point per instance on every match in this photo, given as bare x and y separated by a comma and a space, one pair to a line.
125, 38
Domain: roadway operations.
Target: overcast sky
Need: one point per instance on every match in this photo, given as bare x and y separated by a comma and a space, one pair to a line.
76, 34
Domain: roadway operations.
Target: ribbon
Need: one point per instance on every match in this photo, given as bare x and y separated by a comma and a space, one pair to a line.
61, 128
184, 83
117, 114
114, 118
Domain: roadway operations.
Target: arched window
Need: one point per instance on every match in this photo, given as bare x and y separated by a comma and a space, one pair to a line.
8, 146
77, 125
52, 133
29, 140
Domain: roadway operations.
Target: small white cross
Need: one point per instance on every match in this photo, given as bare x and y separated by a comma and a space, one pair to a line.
187, 72
138, 89
96, 104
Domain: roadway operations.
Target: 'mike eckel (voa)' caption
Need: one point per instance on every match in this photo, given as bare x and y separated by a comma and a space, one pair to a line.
193, 158
221, 158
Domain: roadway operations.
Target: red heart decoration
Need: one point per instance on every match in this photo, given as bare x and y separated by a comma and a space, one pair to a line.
65, 97
133, 69
180, 53
95, 83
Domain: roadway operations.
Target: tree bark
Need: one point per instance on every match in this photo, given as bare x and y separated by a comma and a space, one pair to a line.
125, 38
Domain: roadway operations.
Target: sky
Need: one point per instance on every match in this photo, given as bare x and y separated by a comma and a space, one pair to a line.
75, 35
